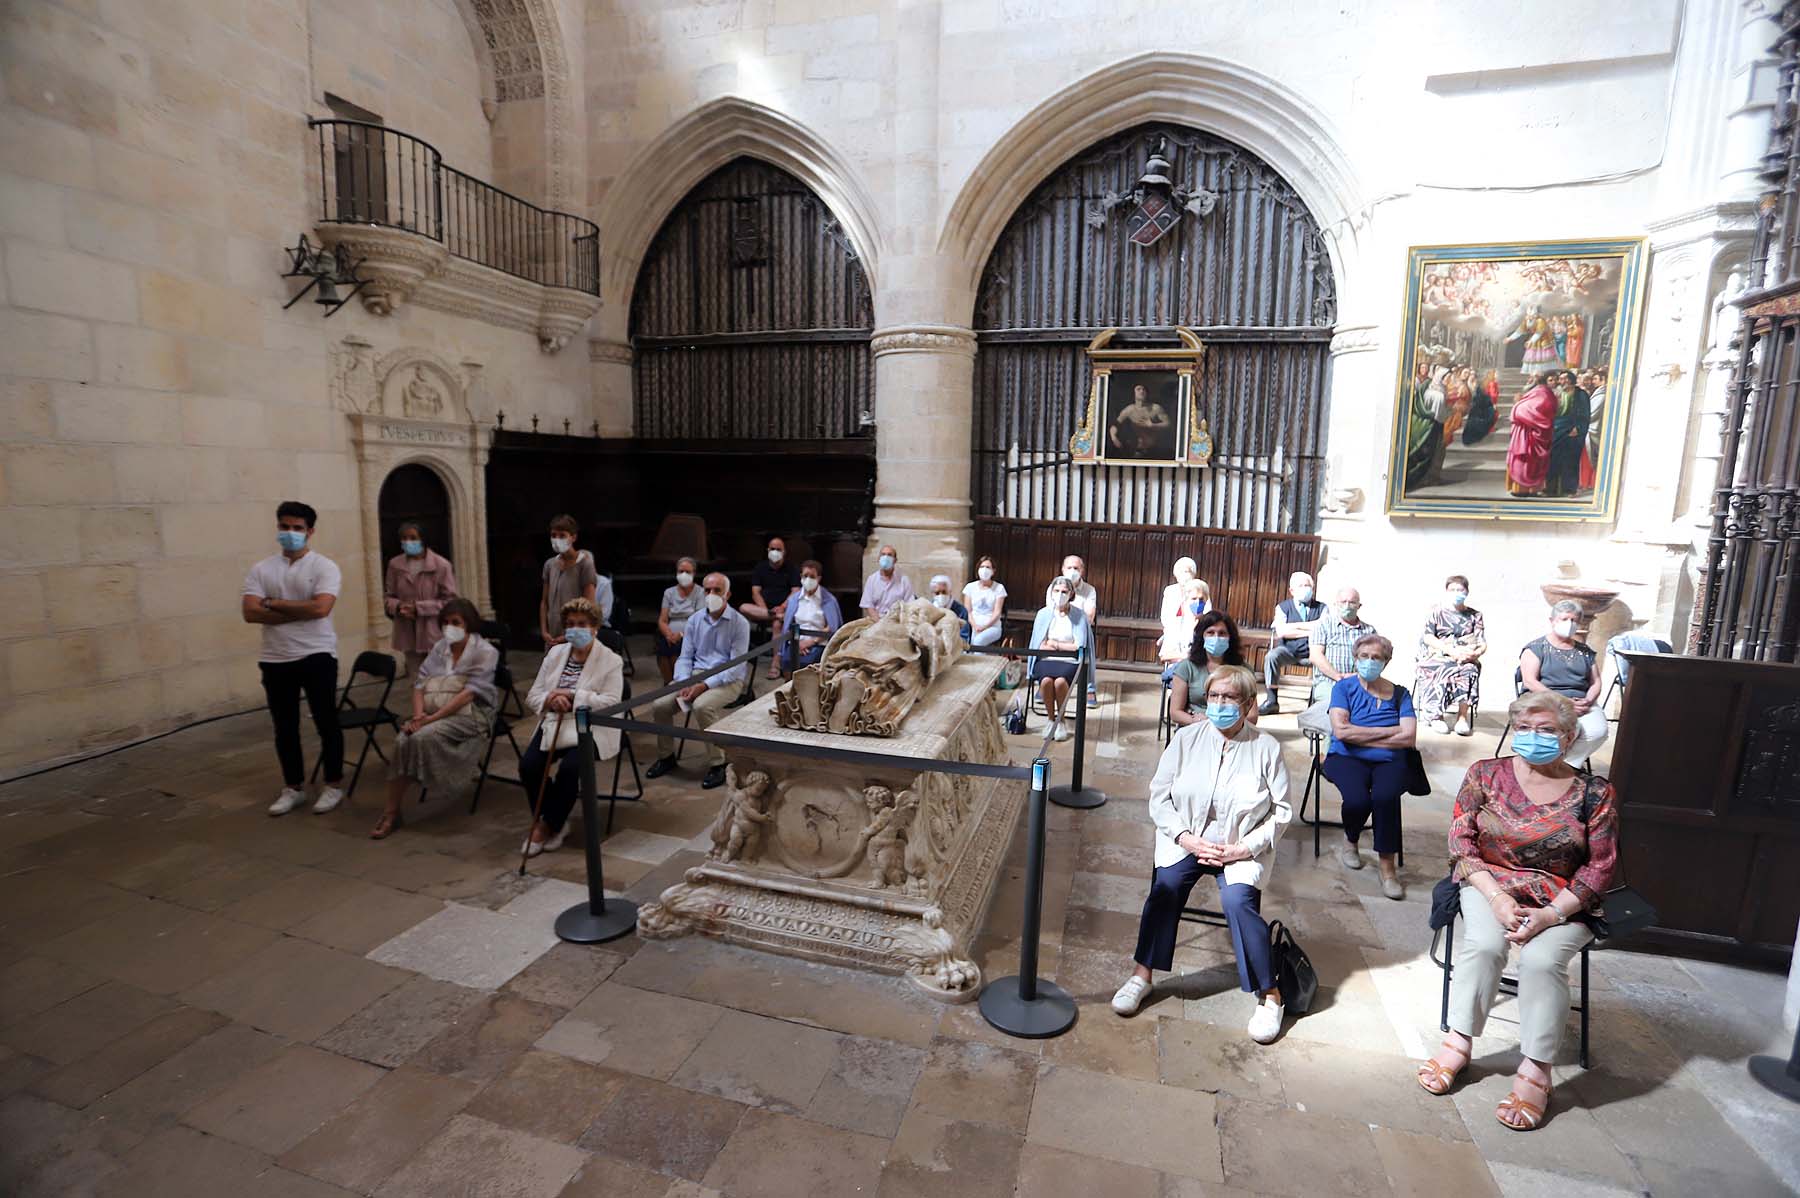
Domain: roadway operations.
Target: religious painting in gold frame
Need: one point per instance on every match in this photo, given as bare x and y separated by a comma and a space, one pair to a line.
1141, 408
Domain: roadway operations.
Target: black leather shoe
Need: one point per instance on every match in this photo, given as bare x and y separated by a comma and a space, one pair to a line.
659, 767
714, 777
1268, 706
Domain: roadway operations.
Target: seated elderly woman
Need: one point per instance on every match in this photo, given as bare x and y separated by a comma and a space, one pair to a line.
577, 672
1183, 602
1534, 847
1219, 801
453, 699
1558, 662
1216, 643
941, 597
1059, 625
1447, 673
1372, 725
809, 609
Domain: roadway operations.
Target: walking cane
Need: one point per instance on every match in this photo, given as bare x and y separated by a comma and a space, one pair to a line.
536, 807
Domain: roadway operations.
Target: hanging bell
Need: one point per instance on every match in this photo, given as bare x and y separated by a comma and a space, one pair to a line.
328, 292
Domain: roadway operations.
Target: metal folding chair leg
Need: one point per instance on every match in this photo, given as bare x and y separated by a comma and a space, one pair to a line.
1508, 985
613, 797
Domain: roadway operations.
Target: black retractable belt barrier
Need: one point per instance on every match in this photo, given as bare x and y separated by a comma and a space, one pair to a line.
1075, 794
1028, 1006
599, 919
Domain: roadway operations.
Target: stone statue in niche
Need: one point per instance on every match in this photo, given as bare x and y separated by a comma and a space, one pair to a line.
872, 673
739, 825
421, 399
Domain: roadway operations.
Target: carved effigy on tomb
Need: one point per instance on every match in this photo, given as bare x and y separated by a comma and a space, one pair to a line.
888, 868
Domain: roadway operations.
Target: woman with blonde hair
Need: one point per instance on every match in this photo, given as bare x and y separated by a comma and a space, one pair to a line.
1534, 847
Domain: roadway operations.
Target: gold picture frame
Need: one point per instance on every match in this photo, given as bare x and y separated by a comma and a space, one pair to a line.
1157, 423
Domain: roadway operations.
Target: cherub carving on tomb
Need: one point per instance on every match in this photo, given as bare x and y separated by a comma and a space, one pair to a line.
741, 818
896, 860
873, 672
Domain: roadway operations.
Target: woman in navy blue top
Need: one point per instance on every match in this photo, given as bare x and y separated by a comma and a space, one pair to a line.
1372, 726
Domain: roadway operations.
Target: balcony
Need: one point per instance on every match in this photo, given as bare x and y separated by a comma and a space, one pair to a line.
428, 234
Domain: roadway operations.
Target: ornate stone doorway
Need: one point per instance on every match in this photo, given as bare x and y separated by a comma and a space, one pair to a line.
414, 494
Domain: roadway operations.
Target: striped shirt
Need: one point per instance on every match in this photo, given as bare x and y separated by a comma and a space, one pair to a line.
1335, 641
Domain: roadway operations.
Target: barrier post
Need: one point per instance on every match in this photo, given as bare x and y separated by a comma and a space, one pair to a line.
1075, 794
1028, 1006
1781, 1076
599, 919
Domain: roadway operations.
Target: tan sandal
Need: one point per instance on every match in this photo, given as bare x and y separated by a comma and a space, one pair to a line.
1526, 1116
386, 825
1435, 1077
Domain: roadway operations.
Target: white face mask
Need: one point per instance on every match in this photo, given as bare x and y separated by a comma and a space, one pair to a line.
986, 573
775, 556
1072, 573
560, 544
1060, 599
685, 577
715, 603
940, 599
454, 633
809, 584
1564, 628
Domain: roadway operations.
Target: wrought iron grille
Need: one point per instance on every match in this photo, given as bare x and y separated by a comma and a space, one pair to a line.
372, 175
1250, 275
1750, 585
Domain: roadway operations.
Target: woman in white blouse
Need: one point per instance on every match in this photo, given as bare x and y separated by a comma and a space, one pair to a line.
1219, 801
986, 600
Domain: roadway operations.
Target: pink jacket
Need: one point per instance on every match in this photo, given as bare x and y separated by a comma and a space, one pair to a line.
426, 590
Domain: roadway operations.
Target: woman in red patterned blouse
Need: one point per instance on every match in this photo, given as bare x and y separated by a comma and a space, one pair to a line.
1535, 846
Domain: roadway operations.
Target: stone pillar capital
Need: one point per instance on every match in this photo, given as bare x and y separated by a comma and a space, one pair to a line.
923, 339
1355, 339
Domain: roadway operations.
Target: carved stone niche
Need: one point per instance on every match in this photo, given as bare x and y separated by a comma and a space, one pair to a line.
885, 869
411, 406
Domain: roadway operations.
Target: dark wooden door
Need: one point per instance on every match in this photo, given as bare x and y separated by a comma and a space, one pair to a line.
1708, 771
415, 494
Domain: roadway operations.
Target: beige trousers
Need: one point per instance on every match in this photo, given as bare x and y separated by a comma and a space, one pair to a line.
709, 709
1481, 950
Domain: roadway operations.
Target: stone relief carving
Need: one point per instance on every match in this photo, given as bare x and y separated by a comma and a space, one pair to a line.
939, 339
872, 673
420, 399
352, 375
417, 384
742, 816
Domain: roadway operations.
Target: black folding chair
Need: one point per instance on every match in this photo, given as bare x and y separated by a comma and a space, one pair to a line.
620, 622
503, 726
1314, 792
351, 717
497, 633
613, 797
1165, 724
1518, 689
1446, 938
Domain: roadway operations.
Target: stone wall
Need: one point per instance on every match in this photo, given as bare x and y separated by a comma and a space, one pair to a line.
157, 401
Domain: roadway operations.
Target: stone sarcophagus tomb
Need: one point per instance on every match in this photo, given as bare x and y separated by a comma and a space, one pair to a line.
888, 868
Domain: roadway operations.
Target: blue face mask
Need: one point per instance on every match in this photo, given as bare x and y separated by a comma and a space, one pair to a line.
1539, 748
1369, 668
1215, 645
1457, 598
291, 539
1223, 715
412, 548
887, 561
579, 638
1306, 594
1197, 606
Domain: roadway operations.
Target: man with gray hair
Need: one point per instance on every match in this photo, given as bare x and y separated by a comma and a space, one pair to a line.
1334, 641
712, 637
1558, 662
1295, 620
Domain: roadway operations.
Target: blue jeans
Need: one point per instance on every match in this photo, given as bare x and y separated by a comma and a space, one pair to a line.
1170, 886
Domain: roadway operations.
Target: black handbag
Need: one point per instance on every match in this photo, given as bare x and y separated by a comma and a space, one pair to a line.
1294, 972
1417, 781
1446, 901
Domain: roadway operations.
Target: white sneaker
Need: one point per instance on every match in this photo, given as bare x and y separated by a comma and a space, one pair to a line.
1128, 998
1058, 731
290, 798
1440, 726
329, 798
1349, 857
1265, 1022
1463, 727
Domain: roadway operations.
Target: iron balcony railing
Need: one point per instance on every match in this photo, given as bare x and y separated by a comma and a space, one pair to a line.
373, 175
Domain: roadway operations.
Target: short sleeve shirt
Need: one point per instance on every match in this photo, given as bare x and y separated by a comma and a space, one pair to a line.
1366, 711
777, 582
564, 583
882, 594
680, 608
983, 602
276, 577
1195, 677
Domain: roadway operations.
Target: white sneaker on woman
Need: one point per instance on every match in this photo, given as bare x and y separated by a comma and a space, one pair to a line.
1463, 727
1058, 731
289, 798
329, 798
1128, 998
1265, 1021
1440, 726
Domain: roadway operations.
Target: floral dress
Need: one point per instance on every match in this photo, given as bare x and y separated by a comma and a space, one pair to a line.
1439, 684
1535, 851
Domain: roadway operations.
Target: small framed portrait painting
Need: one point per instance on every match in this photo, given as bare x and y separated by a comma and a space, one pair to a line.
1141, 409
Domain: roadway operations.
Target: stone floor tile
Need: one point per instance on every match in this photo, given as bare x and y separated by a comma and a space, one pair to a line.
96, 1075
33, 984
1522, 1181
663, 1129
482, 1042
38, 906
1336, 1018
401, 1022
194, 948
159, 1094
232, 883
468, 946
544, 900
295, 988
1202, 1056
548, 1095
279, 1103
933, 1156
19, 1069
1364, 1087
280, 1183
367, 920
1046, 1172
1664, 1122
381, 1130
293, 899
1663, 1177
74, 1028
1132, 1122
1101, 1042
603, 1177
1108, 892
869, 1086
778, 1156
1106, 931
965, 1022
976, 1082
760, 1062
633, 1030
565, 975
648, 847
1280, 1150
34, 1134
473, 1156
174, 865
180, 1162
1423, 1166
1570, 1140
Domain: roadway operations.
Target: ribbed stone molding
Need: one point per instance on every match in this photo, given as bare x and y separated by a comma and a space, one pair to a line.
923, 339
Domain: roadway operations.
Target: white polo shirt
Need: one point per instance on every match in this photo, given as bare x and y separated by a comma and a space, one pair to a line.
275, 577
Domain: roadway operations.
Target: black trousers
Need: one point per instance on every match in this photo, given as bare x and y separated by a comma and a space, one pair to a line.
564, 788
283, 684
1369, 788
1170, 886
